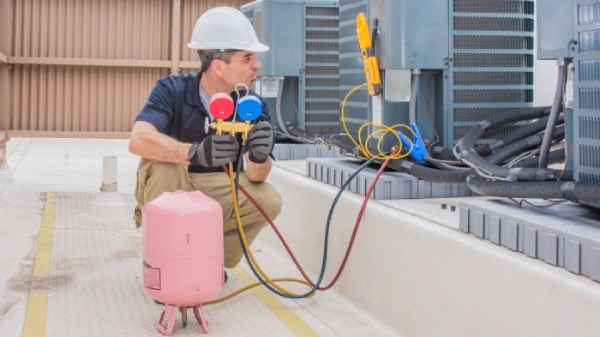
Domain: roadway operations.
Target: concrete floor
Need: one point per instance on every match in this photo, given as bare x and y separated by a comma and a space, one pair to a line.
79, 303
411, 271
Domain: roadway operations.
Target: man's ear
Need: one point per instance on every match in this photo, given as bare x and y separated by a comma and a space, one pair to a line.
217, 67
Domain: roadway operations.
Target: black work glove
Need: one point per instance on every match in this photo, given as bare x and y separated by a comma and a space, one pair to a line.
214, 151
260, 141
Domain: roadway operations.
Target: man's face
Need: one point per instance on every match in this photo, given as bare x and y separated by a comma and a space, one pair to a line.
241, 69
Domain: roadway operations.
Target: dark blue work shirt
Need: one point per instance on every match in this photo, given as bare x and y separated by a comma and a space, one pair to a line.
175, 109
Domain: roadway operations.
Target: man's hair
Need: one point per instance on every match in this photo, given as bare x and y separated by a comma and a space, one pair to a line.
207, 56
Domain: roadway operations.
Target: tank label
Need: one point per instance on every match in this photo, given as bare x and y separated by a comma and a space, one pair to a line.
151, 277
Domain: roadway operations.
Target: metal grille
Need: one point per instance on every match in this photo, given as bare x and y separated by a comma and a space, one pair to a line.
494, 6
586, 111
589, 156
315, 70
492, 78
330, 82
357, 110
589, 128
493, 24
589, 70
589, 98
491, 68
588, 13
589, 41
321, 77
591, 177
493, 60
492, 42
493, 96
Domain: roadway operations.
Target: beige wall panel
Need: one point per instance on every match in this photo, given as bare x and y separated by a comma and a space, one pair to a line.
111, 29
63, 98
59, 84
5, 26
5, 42
190, 12
4, 97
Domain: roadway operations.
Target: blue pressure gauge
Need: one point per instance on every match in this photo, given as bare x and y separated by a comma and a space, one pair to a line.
249, 108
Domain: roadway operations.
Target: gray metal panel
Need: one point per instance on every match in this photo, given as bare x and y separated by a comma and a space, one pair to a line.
555, 28
494, 228
550, 253
413, 34
595, 263
509, 234
464, 222
530, 241
573, 256
476, 225
284, 57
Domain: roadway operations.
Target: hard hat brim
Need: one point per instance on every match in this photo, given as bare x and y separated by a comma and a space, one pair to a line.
260, 48
257, 47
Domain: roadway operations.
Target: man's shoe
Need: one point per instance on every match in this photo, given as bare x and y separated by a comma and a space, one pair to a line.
137, 217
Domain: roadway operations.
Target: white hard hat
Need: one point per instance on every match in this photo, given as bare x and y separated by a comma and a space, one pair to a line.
225, 28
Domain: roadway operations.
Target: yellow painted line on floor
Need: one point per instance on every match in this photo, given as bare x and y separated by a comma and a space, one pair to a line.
37, 303
285, 315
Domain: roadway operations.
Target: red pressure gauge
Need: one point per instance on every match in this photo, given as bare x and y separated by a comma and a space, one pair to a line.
221, 106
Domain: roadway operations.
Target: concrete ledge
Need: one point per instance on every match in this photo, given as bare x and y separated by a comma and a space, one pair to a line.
565, 235
390, 185
420, 277
283, 151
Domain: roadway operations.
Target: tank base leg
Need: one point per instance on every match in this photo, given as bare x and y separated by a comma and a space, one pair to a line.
183, 311
200, 317
169, 310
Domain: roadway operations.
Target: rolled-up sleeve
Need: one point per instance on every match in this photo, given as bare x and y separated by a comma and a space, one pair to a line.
158, 109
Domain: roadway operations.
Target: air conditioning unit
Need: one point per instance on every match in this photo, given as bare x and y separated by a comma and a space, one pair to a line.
299, 76
585, 126
472, 59
575, 37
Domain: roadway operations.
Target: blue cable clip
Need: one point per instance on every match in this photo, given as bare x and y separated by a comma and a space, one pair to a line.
419, 151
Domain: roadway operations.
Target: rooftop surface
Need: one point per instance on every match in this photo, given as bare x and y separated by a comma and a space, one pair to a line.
93, 285
70, 268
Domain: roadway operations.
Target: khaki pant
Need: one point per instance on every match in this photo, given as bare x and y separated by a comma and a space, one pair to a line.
154, 178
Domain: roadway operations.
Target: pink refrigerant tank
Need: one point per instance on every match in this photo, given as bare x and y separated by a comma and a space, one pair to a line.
183, 253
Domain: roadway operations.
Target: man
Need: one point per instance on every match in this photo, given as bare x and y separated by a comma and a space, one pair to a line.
180, 151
